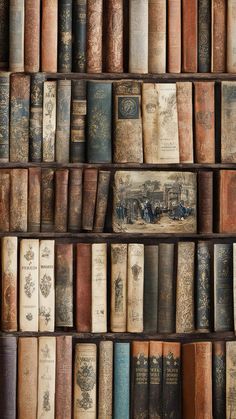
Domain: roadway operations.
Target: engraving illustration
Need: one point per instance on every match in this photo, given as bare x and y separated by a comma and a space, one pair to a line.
29, 286
86, 380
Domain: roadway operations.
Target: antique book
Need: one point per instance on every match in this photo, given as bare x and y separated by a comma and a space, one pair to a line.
63, 121
203, 286
157, 28
8, 376
64, 285
185, 287
114, 61
18, 200
19, 118
138, 36
83, 287
205, 202
94, 36
99, 121
234, 285
155, 379
231, 38
4, 34
105, 380
171, 381
227, 202
27, 379
185, 121
47, 199
154, 202
49, 120
85, 381
135, 287
89, 198
127, 135
63, 401
79, 35
118, 315
218, 36
99, 288
61, 200
121, 403
166, 292
29, 285
230, 380
65, 36
228, 112
32, 36
223, 287
150, 303
174, 36
4, 202
9, 284
102, 200
46, 376
49, 40
34, 199
204, 36
4, 109
16, 35
140, 381
197, 380
78, 120
36, 117
190, 36
46, 285
75, 200
150, 122
219, 380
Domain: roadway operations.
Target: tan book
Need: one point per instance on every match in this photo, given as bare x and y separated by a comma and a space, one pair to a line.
185, 121
234, 284
99, 288
49, 120
63, 377
46, 377
231, 37
118, 287
4, 202
135, 288
228, 122
18, 200
46, 286
230, 380
218, 36
9, 284
174, 36
157, 36
105, 380
150, 122
138, 36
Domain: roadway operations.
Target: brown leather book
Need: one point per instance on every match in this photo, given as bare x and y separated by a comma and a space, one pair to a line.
63, 401
231, 37
83, 288
94, 36
64, 285
227, 201
89, 198
157, 29
8, 376
105, 380
140, 352
19, 200
102, 199
47, 198
190, 36
185, 121
204, 106
4, 201
34, 199
32, 35
197, 380
174, 36
9, 284
61, 200
115, 37
205, 202
218, 41
75, 200
49, 36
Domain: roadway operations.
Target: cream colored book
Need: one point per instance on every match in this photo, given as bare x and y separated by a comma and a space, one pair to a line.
49, 120
118, 287
230, 380
135, 288
138, 36
105, 380
46, 286
231, 36
46, 377
99, 288
150, 122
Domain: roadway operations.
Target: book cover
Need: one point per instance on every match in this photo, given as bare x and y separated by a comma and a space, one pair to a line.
63, 401
16, 35
46, 376
140, 379
64, 285
135, 280
65, 36
4, 109
157, 35
46, 285
121, 408
49, 31
138, 36
94, 36
99, 288
49, 120
150, 304
78, 120
83, 287
119, 257
105, 380
32, 36
63, 110
79, 35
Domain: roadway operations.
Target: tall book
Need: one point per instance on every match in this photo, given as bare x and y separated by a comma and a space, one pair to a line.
61, 200
94, 36
78, 120
63, 400
105, 380
205, 202
203, 286
174, 36
204, 36
219, 380
46, 285
102, 200
227, 207
83, 287
150, 304
190, 36
171, 382
218, 40
99, 288
231, 37
155, 379
166, 292
230, 380
46, 376
9, 284
234, 284
36, 117
89, 198
185, 121
157, 35
4, 112
65, 36
16, 35
5, 201
75, 200
114, 61
49, 120
18, 200
118, 287
228, 110
4, 35
63, 121
64, 285
8, 376
34, 199
138, 36
47, 200
79, 35
121, 380
139, 389
32, 36
49, 39
135, 278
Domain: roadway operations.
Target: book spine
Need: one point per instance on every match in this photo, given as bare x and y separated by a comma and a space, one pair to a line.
140, 380
174, 36
166, 292
105, 380
8, 376
150, 122
228, 106
118, 287
80, 34
4, 202
34, 199
4, 34
99, 288
155, 379
218, 42
83, 287
16, 35
64, 285
203, 379
234, 285
115, 37
63, 121
49, 36
138, 36
46, 286
46, 377
190, 36
94, 36
204, 36
19, 118
47, 198
61, 200
18, 200
89, 198
157, 16
231, 38
63, 402
9, 301
4, 111
230, 381
65, 36
150, 288
226, 203
135, 277
78, 121
185, 121
203, 286
32, 36
49, 120
75, 200
121, 380
102, 200
171, 385
219, 380
36, 117
205, 202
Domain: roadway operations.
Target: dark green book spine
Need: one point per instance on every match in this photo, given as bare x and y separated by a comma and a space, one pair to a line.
219, 380
166, 290
65, 36
139, 392
99, 132
150, 288
78, 121
4, 33
79, 36
4, 116
204, 36
203, 286
155, 380
36, 117
171, 390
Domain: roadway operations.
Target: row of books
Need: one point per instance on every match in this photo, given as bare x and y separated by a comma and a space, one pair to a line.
146, 288
134, 380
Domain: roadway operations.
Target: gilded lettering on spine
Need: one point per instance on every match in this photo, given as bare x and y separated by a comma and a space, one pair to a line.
4, 112
118, 287
49, 120
94, 36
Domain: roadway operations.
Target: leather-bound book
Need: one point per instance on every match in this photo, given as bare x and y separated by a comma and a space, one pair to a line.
185, 121
135, 279
94, 36
219, 380
228, 107
231, 37
78, 120
114, 61
63, 121
197, 380
34, 199
83, 287
32, 36
4, 202
157, 35
227, 202
65, 36
155, 379
174, 36
150, 288
99, 288
49, 36
102, 200
205, 202
204, 36
63, 400
4, 112
46, 376
19, 118
127, 140
89, 198
138, 36
204, 106
218, 40
203, 286
105, 380
27, 383
121, 403
61, 200
8, 376
75, 200
139, 386
150, 122
79, 35
190, 36
47, 200
171, 381
185, 287
36, 117
118, 287
234, 284
223, 287
166, 292
16, 35
9, 284
64, 285
230, 379
49, 120
46, 285
4, 34
18, 200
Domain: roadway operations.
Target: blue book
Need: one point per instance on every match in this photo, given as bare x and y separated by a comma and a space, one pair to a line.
122, 381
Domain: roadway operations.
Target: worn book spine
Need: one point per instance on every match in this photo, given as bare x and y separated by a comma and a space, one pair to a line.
166, 292
9, 284
99, 288
47, 200
79, 36
205, 202
138, 36
61, 200
49, 120
190, 36
27, 380
204, 36
49, 41
4, 111
171, 381
4, 34
19, 118
75, 200
16, 35
105, 380
127, 142
29, 285
135, 279
203, 286
78, 121
63, 121
121, 380
118, 287
204, 105
8, 377
228, 107
219, 380
89, 198
64, 285
83, 287
185, 121
150, 122
150, 307
63, 401
94, 36
85, 388
65, 36
4, 202
36, 117
102, 200
155, 379
230, 380
19, 200
46, 376
227, 204
174, 36
114, 62
32, 36
231, 37
223, 287
157, 36
34, 199
234, 285
218, 37
139, 385
46, 285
